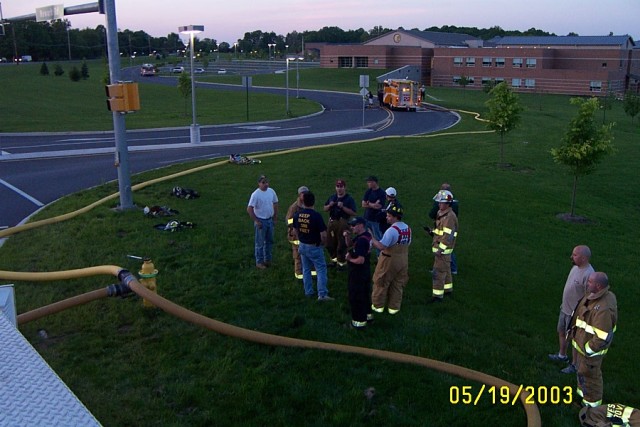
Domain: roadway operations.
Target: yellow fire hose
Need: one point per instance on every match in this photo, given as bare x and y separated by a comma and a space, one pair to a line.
532, 412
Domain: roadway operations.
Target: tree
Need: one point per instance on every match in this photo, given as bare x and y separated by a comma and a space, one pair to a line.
57, 70
585, 143
631, 104
504, 112
184, 87
84, 70
44, 70
74, 74
464, 81
606, 103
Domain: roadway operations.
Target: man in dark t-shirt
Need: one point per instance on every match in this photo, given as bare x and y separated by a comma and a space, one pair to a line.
312, 234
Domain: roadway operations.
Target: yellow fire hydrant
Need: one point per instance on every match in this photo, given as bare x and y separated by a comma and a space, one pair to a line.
148, 274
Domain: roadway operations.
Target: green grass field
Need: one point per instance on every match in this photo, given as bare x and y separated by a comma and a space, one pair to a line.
135, 366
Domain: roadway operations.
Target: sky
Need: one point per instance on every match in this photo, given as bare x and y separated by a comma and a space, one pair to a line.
227, 21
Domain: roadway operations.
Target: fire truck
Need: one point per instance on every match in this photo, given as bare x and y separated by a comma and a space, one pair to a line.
400, 94
148, 70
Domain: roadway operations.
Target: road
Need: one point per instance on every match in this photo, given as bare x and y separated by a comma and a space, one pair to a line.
39, 168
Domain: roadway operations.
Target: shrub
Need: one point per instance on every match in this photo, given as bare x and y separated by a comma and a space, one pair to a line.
58, 71
84, 71
74, 74
44, 70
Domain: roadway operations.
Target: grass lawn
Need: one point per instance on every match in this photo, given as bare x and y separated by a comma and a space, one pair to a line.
55, 103
135, 366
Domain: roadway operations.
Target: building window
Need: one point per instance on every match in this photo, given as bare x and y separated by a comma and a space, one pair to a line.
516, 82
486, 81
362, 61
531, 62
604, 65
517, 62
486, 62
457, 61
595, 86
530, 83
500, 62
345, 62
456, 80
499, 80
471, 62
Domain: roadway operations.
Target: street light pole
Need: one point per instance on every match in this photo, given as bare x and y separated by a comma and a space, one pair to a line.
287, 79
192, 30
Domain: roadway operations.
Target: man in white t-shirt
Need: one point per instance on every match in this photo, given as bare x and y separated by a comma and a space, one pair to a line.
263, 210
574, 289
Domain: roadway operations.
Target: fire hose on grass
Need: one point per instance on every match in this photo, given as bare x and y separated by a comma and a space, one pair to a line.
129, 281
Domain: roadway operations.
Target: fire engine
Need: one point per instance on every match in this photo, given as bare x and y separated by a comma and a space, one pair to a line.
148, 70
400, 94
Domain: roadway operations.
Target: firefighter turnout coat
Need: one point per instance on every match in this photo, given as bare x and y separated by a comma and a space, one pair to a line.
611, 415
593, 325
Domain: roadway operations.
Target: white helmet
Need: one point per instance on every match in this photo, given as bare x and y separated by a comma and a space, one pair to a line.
443, 196
391, 192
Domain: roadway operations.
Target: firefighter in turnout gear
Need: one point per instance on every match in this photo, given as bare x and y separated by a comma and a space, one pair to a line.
592, 327
392, 271
444, 239
611, 415
291, 234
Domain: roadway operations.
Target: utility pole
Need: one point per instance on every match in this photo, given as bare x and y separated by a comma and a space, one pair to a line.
121, 160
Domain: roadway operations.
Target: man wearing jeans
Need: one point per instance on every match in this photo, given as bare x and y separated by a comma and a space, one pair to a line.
263, 210
312, 234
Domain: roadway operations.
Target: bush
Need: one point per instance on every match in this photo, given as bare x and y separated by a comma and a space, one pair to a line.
75, 74
58, 71
44, 70
84, 70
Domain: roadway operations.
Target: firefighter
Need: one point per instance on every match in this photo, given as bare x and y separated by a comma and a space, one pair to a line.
392, 271
291, 235
611, 415
592, 327
444, 239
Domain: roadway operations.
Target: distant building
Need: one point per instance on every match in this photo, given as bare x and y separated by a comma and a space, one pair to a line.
573, 65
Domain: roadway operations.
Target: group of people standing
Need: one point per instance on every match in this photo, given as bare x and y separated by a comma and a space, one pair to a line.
350, 239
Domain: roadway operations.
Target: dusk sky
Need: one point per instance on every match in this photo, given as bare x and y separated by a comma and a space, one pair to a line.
228, 21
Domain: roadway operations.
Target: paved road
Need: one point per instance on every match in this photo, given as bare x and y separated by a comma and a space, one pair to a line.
36, 169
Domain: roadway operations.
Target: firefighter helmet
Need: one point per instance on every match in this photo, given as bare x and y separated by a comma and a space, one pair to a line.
443, 196
396, 211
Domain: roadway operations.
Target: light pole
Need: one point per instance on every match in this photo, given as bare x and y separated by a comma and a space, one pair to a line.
298, 59
287, 80
235, 47
68, 25
192, 30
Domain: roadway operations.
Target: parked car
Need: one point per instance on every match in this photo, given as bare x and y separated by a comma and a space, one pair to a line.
198, 70
222, 71
177, 70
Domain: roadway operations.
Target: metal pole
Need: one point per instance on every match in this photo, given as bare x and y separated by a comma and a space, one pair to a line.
68, 40
297, 78
288, 111
195, 130
119, 129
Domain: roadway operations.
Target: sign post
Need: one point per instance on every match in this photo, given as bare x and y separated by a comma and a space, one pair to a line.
364, 90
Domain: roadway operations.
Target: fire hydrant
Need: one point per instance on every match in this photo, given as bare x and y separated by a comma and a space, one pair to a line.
148, 274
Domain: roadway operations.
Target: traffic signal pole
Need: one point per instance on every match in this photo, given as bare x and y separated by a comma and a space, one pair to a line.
121, 160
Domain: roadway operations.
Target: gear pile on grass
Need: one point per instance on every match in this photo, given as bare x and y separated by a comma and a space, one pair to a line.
239, 159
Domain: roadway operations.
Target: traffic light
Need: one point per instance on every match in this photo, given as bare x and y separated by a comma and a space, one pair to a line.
123, 97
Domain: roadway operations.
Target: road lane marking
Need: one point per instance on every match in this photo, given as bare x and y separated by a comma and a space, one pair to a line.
22, 193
